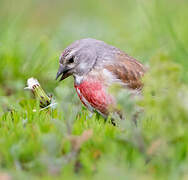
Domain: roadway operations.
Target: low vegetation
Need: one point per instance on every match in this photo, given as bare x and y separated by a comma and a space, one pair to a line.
68, 141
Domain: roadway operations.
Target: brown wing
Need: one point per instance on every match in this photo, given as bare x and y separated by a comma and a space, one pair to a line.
128, 70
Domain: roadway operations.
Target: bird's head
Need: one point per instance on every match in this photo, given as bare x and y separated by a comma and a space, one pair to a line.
79, 58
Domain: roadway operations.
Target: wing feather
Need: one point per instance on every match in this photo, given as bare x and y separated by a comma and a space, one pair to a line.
128, 70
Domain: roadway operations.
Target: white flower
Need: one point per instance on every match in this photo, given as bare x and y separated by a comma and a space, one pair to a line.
31, 82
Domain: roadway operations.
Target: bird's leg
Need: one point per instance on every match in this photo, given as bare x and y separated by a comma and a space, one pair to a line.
116, 115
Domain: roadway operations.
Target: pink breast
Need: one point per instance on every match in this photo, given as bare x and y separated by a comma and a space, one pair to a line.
94, 93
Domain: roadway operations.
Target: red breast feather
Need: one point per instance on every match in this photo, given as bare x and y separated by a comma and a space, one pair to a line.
94, 96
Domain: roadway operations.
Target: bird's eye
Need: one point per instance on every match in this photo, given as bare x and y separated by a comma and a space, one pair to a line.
71, 60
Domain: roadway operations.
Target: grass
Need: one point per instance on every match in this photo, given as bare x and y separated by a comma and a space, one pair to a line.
68, 142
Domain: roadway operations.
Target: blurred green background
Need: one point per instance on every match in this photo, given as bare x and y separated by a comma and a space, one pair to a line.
33, 33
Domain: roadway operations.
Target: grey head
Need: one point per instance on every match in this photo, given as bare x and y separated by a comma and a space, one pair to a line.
82, 56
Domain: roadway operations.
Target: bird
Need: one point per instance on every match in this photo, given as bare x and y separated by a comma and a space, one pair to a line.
96, 66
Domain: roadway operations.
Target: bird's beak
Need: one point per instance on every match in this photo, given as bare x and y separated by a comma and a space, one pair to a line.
64, 71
